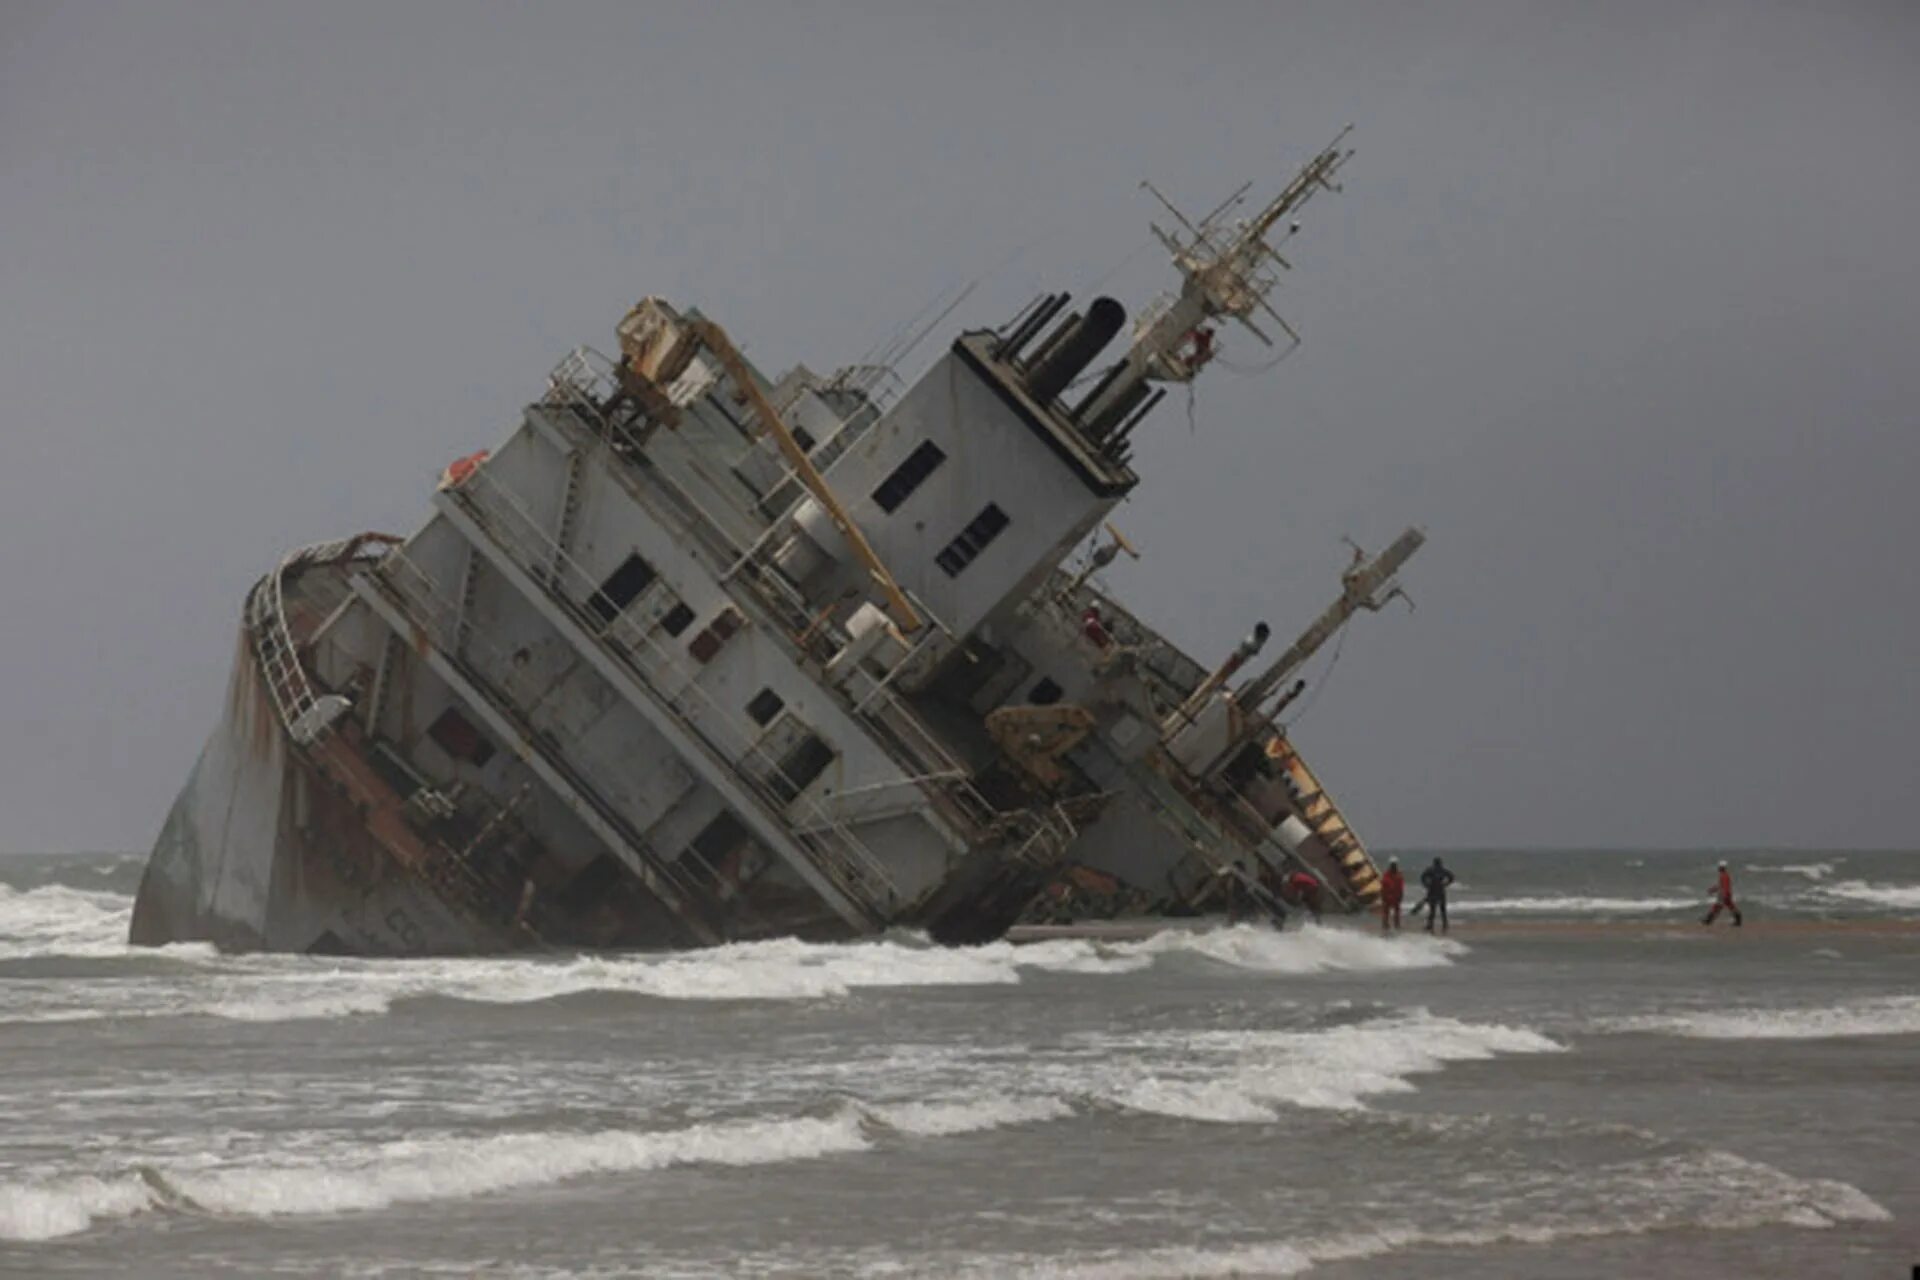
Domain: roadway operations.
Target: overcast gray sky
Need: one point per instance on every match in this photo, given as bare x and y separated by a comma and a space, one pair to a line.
1621, 305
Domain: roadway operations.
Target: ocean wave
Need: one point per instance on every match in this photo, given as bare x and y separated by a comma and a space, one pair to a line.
1888, 1016
64, 1206
967, 1115
1246, 1076
1578, 904
419, 1171
61, 920
413, 1172
1311, 949
1805, 870
1904, 897
283, 988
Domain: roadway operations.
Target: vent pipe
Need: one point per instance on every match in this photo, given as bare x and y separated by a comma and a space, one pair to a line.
1075, 350
1045, 308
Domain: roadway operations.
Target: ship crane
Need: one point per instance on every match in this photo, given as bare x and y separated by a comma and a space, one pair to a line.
1368, 583
898, 607
1102, 556
1225, 273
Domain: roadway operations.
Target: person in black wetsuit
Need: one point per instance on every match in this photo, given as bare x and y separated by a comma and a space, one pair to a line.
1435, 880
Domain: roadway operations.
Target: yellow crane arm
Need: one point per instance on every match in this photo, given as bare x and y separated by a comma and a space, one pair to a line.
715, 339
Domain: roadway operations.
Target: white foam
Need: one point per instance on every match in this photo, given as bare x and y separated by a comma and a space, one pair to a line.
282, 988
58, 920
412, 1172
1890, 1016
1576, 904
1245, 1076
46, 1210
269, 1008
1805, 870
451, 1168
968, 1115
1311, 949
1177, 1263
1902, 897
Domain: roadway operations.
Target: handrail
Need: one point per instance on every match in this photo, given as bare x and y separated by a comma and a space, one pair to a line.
846, 861
425, 605
716, 340
266, 619
298, 705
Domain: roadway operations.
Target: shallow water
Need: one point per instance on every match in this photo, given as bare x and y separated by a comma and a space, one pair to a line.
1580, 1081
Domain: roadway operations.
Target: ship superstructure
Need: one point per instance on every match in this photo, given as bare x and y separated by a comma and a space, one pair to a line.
696, 655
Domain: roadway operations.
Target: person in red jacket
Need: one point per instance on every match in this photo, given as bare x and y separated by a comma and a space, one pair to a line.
1722, 897
1393, 887
1302, 889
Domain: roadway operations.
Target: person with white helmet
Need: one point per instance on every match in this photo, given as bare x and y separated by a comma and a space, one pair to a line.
1722, 893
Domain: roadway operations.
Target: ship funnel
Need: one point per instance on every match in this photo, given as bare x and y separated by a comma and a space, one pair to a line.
1070, 352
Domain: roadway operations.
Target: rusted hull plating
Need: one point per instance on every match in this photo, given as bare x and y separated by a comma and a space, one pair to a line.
263, 851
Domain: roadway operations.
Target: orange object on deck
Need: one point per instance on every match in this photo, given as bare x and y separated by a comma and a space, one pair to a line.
460, 468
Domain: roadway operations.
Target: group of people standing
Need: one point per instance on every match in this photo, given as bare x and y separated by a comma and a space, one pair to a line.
1301, 889
1393, 888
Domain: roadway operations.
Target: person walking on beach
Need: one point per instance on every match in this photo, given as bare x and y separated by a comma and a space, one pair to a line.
1435, 880
1393, 887
1722, 892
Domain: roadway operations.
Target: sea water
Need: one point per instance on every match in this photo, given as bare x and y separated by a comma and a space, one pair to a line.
1579, 1080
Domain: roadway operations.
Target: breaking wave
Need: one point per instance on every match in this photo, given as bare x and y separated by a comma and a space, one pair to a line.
64, 1206
57, 919
420, 1171
1890, 1016
1311, 949
1218, 1076
411, 1172
945, 1119
1815, 871
276, 988
1904, 897
1577, 904
1246, 1076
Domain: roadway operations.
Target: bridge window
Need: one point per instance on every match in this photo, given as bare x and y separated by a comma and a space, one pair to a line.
807, 760
765, 706
676, 619
909, 475
622, 587
973, 539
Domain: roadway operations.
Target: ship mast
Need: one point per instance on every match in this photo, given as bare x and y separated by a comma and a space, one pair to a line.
1224, 265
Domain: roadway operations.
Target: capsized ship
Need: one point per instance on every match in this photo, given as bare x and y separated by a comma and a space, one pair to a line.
697, 655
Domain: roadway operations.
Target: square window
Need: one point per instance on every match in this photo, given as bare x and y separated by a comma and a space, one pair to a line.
622, 587
765, 706
676, 619
972, 540
807, 760
908, 476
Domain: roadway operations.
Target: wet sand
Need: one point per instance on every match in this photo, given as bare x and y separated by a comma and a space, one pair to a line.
1468, 929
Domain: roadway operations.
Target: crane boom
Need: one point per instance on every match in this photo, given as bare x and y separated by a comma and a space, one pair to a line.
715, 339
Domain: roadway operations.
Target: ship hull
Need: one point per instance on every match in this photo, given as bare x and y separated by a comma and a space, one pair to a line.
261, 851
